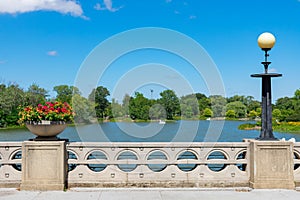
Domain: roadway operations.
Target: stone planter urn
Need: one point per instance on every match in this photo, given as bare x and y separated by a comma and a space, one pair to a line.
46, 130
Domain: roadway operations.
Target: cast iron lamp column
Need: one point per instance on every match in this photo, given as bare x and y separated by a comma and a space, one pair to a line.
266, 41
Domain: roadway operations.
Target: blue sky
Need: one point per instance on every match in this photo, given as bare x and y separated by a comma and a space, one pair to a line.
46, 41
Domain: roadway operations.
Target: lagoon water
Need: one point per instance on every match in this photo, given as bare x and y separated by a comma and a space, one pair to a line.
179, 131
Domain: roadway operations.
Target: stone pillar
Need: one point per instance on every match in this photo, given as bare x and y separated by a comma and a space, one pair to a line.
44, 165
271, 165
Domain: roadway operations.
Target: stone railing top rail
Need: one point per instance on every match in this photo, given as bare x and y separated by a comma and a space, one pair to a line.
16, 144
158, 144
147, 144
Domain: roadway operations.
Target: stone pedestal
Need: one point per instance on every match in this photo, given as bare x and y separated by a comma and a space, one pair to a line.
44, 165
271, 165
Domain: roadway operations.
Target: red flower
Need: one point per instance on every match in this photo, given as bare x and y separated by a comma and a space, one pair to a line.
27, 109
54, 111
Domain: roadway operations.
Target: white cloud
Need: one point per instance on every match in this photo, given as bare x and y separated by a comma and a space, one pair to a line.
23, 6
193, 17
98, 7
108, 5
52, 53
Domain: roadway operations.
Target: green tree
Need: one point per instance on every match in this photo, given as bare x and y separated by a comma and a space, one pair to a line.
238, 107
170, 102
284, 103
253, 105
200, 96
276, 113
258, 110
35, 95
230, 114
208, 112
189, 106
248, 101
139, 107
11, 97
295, 112
2, 87
99, 97
297, 94
294, 117
117, 109
235, 98
204, 103
65, 93
125, 104
84, 109
186, 111
157, 111
296, 103
289, 107
253, 114
218, 104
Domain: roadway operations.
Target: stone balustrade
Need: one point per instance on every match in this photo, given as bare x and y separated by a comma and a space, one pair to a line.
222, 164
297, 163
158, 164
10, 164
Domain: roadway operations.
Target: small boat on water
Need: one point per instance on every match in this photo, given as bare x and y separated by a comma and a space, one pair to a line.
208, 118
161, 122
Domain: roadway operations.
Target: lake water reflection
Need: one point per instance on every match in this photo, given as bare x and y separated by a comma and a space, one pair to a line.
180, 131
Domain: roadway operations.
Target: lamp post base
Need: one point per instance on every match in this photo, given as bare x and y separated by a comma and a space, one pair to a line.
267, 139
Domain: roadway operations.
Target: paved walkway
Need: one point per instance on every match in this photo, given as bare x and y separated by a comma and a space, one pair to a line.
151, 194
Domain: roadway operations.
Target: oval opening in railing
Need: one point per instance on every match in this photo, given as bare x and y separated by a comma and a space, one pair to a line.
71, 156
187, 155
95, 161
217, 155
241, 156
157, 156
297, 158
17, 155
127, 156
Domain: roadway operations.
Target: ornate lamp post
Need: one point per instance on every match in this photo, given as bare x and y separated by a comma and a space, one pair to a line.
266, 41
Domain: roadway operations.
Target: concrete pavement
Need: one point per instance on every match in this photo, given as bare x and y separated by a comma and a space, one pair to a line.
151, 194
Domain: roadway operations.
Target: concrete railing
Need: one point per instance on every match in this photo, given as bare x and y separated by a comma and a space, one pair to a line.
10, 164
147, 164
297, 163
158, 164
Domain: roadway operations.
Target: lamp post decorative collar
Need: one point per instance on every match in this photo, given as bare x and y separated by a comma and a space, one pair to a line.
266, 42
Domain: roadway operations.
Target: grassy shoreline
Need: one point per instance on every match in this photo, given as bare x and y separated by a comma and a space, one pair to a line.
12, 128
284, 127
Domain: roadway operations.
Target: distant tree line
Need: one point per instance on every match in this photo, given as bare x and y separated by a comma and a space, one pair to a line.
137, 107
